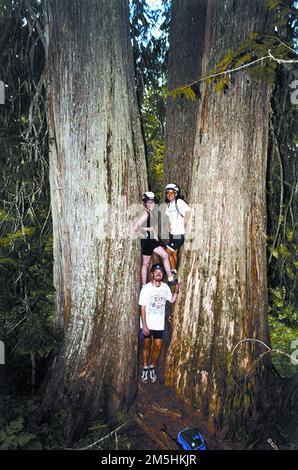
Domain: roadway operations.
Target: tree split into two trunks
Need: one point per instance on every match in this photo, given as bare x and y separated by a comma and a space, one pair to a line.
224, 294
96, 155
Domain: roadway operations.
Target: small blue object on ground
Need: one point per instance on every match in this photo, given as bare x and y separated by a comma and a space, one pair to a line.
191, 439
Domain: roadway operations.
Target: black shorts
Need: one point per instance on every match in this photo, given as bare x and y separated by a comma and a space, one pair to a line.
148, 246
155, 334
175, 241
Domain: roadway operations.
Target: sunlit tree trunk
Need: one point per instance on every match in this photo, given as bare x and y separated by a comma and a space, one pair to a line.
184, 65
223, 298
96, 155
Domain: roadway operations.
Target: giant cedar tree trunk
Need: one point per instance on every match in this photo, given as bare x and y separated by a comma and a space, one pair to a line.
96, 155
223, 298
185, 61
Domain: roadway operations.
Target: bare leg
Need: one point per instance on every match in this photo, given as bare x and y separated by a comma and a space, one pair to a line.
165, 259
173, 258
155, 258
146, 351
157, 347
144, 269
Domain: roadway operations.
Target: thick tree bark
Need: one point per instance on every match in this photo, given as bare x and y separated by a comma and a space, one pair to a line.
185, 64
223, 298
96, 156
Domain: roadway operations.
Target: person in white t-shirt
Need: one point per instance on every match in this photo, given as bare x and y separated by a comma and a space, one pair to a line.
153, 298
178, 213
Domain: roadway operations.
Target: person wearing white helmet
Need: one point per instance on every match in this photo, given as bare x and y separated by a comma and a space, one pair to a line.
178, 212
147, 227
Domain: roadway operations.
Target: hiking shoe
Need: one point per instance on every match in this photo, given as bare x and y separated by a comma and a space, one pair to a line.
173, 282
152, 374
144, 375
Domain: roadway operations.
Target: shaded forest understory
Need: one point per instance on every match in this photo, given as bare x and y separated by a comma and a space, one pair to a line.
155, 409
229, 140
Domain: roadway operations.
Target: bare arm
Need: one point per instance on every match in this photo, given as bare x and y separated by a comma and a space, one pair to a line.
144, 324
138, 225
175, 294
138, 229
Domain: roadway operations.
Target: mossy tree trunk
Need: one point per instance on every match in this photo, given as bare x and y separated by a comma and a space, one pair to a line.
223, 298
96, 156
184, 65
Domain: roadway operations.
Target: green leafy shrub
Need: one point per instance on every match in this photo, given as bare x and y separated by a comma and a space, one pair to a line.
282, 337
14, 436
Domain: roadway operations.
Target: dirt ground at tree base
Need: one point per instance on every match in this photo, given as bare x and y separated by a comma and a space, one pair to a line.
157, 407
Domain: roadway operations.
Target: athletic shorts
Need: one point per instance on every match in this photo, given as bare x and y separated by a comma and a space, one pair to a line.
155, 334
148, 246
175, 241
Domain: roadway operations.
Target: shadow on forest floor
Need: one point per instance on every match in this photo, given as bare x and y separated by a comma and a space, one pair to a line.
156, 405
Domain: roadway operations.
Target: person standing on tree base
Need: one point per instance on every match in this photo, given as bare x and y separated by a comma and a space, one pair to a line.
153, 298
178, 213
147, 227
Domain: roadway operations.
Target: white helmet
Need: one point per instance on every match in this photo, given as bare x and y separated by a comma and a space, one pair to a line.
149, 196
172, 187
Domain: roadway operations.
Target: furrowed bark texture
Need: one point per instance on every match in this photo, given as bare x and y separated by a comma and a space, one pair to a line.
96, 155
185, 56
223, 298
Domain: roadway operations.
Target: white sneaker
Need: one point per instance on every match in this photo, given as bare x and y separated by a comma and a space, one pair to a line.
144, 375
152, 374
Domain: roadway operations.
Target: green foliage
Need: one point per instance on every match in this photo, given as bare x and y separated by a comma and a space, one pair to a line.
187, 92
273, 4
122, 417
104, 432
153, 116
256, 46
26, 293
149, 31
283, 303
253, 49
282, 205
282, 337
14, 436
150, 28
280, 307
249, 54
29, 305
97, 426
11, 238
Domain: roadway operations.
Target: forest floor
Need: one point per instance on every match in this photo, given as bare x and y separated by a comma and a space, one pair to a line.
154, 408
157, 407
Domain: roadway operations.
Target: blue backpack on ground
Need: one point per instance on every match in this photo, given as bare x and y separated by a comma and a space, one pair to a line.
191, 439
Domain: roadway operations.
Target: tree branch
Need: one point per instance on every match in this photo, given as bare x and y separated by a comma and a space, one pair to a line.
236, 69
104, 437
269, 351
282, 61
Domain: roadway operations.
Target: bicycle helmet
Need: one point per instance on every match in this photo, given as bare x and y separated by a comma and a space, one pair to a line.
156, 266
149, 196
172, 187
